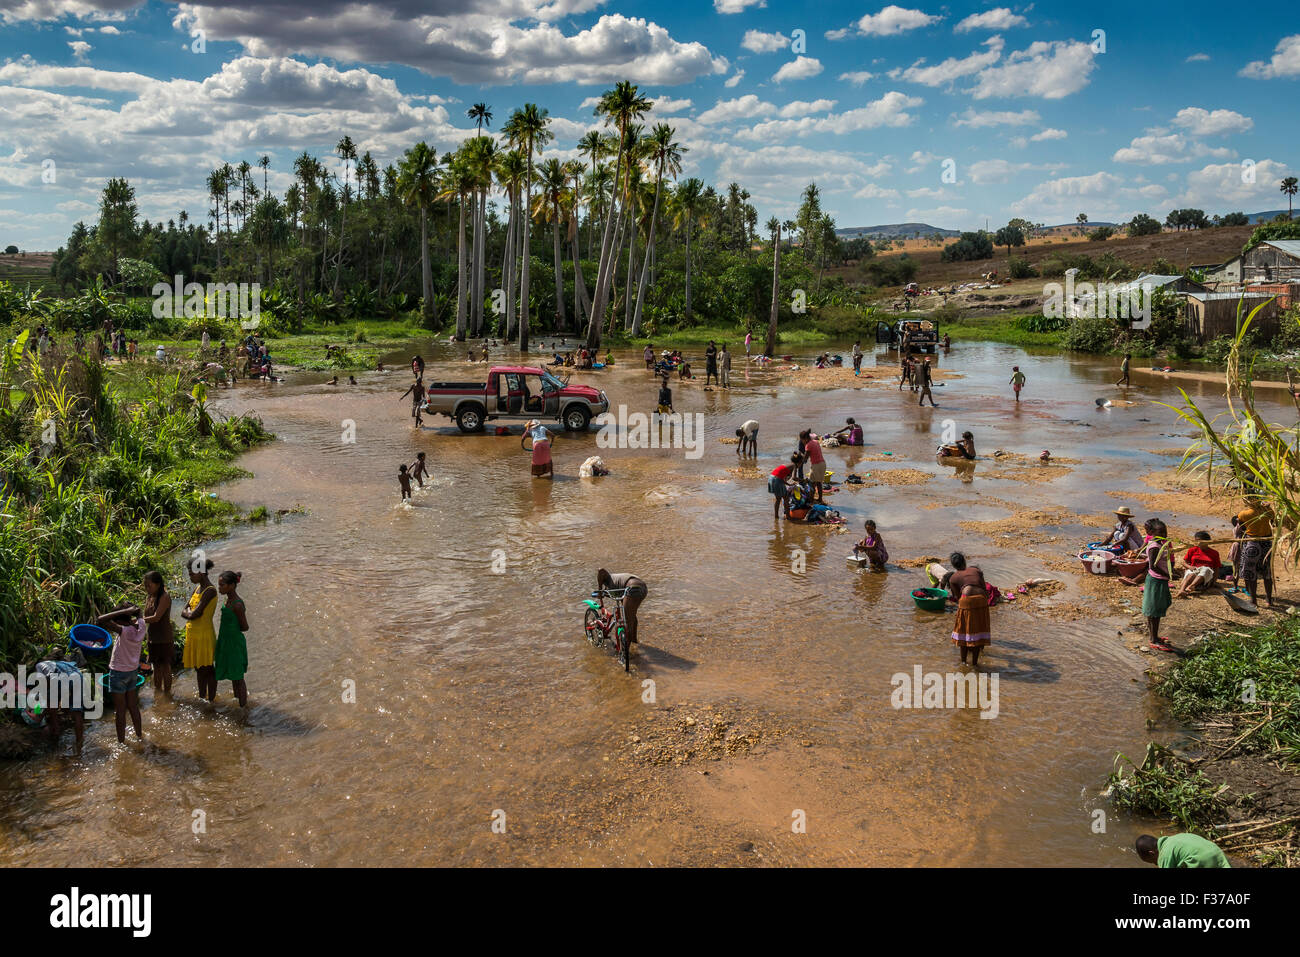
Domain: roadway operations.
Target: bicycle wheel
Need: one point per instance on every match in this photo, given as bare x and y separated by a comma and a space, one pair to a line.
593, 627
622, 647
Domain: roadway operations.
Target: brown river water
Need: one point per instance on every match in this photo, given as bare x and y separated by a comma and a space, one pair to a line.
477, 698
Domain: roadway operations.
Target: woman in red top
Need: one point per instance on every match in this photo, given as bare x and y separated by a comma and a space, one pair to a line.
778, 483
1202, 566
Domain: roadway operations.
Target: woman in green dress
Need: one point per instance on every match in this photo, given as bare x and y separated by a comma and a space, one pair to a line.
232, 649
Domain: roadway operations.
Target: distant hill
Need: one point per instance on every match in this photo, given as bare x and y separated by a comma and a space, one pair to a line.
895, 231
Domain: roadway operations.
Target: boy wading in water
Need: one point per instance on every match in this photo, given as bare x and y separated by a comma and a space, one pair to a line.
924, 378
416, 392
1123, 369
1017, 381
418, 470
404, 480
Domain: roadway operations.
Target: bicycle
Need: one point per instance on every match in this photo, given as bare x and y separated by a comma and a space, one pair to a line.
600, 625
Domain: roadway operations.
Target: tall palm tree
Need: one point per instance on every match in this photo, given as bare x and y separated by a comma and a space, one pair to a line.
774, 227
347, 151
418, 186
511, 169
214, 190
481, 114
265, 163
532, 123
619, 106
553, 183
574, 170
480, 155
666, 154
1289, 187
592, 146
690, 200
458, 184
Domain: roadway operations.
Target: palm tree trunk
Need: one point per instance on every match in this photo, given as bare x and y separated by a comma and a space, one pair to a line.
631, 271
688, 267
508, 270
560, 322
426, 271
582, 303
480, 262
645, 266
460, 275
605, 270
770, 349
523, 272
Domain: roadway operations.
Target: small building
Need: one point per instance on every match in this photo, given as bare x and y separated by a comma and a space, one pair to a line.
1209, 315
1273, 261
1167, 283
1229, 272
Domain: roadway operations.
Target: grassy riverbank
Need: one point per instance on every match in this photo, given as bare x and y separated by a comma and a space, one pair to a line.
1237, 782
103, 475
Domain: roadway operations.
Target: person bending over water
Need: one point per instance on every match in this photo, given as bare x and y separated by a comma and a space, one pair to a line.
635, 593
748, 435
962, 575
971, 630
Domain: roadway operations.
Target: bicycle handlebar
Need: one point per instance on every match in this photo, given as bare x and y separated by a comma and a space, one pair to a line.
611, 592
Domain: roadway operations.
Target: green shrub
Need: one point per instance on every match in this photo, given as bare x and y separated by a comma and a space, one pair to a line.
1097, 334
1018, 268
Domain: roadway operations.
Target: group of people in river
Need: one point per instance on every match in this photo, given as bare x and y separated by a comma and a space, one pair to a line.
144, 643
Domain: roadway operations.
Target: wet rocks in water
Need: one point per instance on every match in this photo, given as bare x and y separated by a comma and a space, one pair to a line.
688, 733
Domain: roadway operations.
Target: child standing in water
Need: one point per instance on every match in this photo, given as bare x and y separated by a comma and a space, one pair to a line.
1017, 381
200, 638
418, 470
124, 666
231, 659
665, 398
416, 392
404, 480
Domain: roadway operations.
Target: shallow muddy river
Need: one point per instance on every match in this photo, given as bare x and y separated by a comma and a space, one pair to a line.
477, 698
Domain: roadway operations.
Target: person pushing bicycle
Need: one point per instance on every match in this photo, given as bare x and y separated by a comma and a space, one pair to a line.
634, 592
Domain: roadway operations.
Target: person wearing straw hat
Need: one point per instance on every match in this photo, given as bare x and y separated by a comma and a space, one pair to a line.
1125, 534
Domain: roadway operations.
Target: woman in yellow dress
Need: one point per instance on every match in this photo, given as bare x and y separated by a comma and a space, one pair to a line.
200, 637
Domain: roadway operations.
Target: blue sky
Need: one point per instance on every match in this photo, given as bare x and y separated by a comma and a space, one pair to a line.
1040, 115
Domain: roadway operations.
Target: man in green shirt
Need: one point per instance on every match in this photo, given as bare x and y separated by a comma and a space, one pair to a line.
1123, 369
1180, 850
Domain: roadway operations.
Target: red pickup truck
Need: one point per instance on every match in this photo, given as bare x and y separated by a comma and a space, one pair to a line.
515, 393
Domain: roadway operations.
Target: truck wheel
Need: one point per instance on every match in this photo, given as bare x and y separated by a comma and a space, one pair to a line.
470, 418
576, 418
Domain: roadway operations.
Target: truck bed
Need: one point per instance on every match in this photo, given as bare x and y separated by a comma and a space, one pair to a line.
477, 387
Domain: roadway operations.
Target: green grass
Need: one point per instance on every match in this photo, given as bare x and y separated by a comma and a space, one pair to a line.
999, 328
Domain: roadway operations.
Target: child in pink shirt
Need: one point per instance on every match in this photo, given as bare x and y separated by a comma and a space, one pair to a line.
124, 666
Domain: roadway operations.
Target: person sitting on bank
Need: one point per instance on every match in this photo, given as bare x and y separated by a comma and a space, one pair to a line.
1125, 534
1203, 565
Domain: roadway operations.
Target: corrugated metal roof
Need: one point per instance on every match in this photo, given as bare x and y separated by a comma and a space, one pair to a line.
1229, 295
1289, 246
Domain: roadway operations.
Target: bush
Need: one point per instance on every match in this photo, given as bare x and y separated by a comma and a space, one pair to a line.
1101, 234
888, 271
1288, 337
1040, 323
949, 312
1097, 334
969, 247
1018, 268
